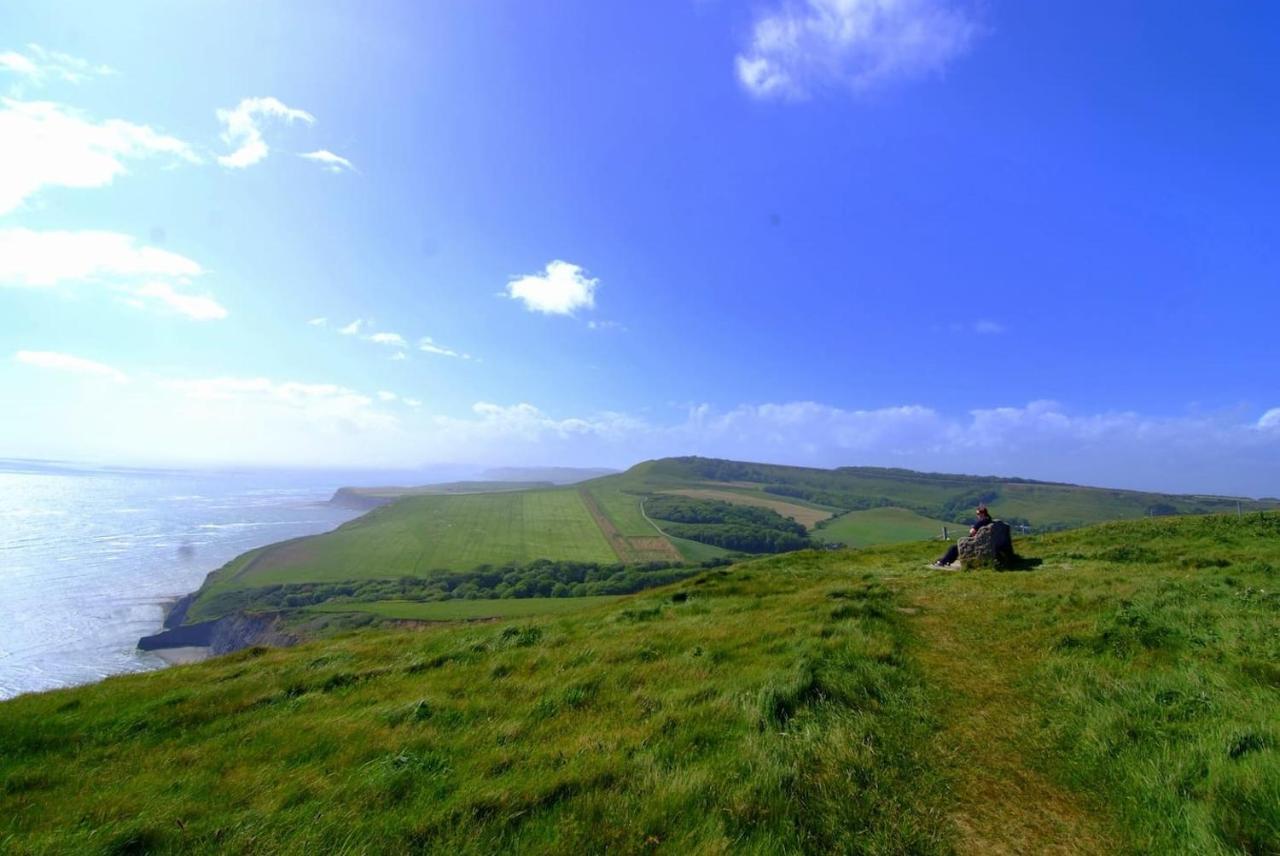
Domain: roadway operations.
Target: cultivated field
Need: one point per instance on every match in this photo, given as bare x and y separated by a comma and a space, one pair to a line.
421, 534
633, 549
883, 526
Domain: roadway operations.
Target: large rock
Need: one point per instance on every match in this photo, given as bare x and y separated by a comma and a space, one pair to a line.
992, 544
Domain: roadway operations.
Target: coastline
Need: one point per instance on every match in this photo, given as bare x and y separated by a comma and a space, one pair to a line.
177, 643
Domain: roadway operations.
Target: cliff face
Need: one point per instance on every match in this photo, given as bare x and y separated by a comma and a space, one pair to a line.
224, 635
351, 497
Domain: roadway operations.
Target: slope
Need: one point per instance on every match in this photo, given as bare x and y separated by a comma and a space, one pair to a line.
1121, 697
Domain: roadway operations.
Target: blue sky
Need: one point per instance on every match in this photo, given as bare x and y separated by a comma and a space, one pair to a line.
1035, 239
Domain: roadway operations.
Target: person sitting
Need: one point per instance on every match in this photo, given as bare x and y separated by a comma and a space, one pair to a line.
953, 552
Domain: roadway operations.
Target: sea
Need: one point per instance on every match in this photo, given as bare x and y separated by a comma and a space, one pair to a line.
90, 557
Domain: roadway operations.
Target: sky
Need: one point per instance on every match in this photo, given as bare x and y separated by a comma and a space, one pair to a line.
981, 236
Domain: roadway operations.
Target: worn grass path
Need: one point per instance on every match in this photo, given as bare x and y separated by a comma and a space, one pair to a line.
1002, 804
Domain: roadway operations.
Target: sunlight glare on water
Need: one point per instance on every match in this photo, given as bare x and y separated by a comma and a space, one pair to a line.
89, 558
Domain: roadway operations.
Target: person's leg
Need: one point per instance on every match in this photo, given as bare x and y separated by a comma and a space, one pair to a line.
953, 553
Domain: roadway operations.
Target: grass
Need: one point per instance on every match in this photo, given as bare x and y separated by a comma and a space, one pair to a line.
1121, 697
882, 526
418, 535
466, 610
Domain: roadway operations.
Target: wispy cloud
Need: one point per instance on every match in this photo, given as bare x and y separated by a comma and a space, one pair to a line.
428, 345
353, 329
146, 276
241, 128
391, 340
329, 161
384, 395
69, 363
606, 325
987, 328
319, 322
561, 289
1270, 421
43, 144
39, 65
805, 46
195, 306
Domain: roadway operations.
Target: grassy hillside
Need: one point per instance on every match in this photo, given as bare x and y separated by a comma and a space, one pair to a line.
417, 535
882, 526
1042, 505
1121, 697
603, 521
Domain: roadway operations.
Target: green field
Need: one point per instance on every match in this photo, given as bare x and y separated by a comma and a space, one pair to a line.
1121, 695
882, 526
467, 610
417, 535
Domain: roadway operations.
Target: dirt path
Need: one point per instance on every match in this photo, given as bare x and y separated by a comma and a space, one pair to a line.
1004, 806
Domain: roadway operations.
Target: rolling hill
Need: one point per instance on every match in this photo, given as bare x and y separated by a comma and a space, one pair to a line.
1121, 696
431, 532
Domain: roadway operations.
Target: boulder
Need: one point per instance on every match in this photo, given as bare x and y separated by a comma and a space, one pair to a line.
992, 544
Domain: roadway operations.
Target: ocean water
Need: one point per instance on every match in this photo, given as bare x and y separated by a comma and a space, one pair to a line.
90, 557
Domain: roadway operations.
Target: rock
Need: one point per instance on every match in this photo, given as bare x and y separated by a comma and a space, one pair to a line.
992, 545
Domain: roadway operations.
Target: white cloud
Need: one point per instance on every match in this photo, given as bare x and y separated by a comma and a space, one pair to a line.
987, 328
560, 289
354, 328
14, 62
319, 322
428, 345
43, 144
383, 395
147, 275
38, 65
399, 356
411, 402
605, 325
69, 363
45, 259
195, 306
329, 161
1270, 420
859, 44
241, 128
391, 340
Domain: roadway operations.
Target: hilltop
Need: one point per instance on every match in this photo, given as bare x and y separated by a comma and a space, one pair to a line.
1121, 697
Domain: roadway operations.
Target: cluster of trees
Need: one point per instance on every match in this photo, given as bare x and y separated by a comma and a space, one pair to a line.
961, 507
836, 499
540, 578
742, 528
